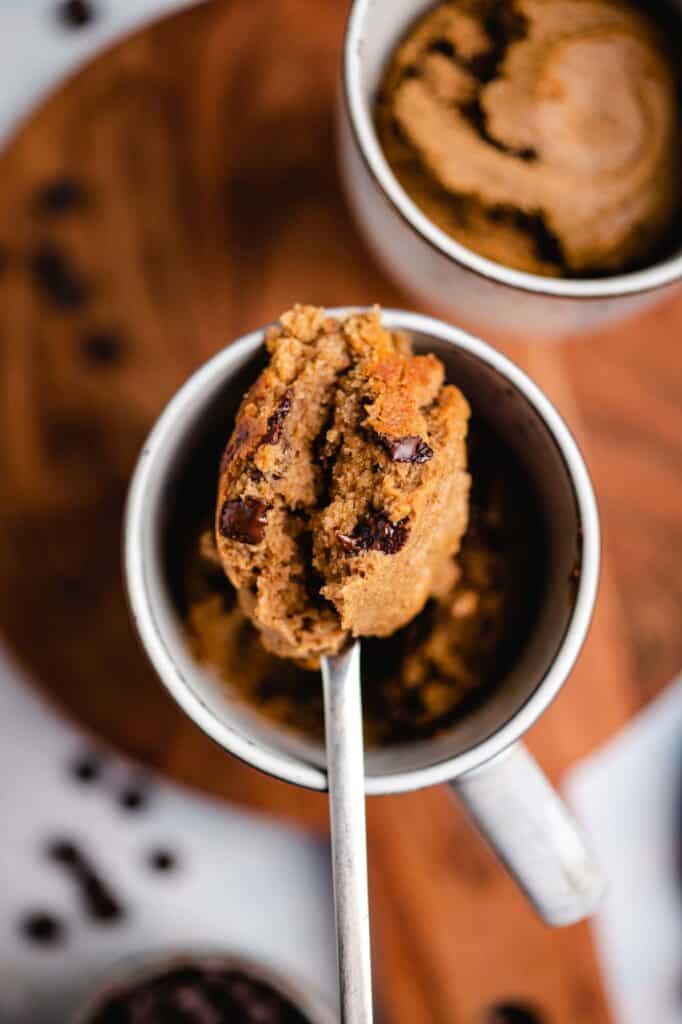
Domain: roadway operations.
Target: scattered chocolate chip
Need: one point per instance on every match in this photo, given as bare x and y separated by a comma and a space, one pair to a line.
102, 906
42, 928
64, 852
162, 860
99, 901
405, 449
4, 258
512, 1013
75, 13
244, 519
133, 798
58, 196
86, 768
56, 277
102, 347
275, 422
442, 46
376, 533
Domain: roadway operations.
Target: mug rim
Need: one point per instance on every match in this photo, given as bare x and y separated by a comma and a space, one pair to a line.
294, 768
662, 273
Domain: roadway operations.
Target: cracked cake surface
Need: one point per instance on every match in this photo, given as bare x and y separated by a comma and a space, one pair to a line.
543, 134
343, 489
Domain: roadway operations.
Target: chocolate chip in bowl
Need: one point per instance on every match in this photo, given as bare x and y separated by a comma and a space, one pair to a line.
205, 989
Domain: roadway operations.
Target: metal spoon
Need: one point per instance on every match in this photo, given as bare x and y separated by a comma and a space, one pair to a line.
346, 779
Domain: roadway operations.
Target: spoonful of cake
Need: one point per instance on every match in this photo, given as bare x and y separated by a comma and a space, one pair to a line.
343, 493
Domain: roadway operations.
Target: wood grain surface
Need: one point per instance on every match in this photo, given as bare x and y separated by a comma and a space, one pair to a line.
206, 200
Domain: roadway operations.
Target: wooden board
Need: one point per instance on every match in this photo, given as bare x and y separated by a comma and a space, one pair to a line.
205, 146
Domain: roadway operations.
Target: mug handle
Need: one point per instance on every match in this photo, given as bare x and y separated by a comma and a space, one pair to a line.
534, 834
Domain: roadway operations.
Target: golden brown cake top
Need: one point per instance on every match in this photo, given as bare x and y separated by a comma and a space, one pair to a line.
343, 485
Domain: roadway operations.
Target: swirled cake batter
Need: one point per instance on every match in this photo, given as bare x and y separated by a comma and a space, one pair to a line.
543, 134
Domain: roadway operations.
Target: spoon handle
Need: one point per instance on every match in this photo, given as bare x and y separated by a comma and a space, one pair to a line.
346, 780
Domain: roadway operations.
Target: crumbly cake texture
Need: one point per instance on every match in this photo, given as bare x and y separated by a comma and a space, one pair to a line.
543, 134
422, 678
343, 488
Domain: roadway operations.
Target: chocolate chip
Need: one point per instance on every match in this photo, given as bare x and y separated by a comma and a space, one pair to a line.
132, 798
102, 347
56, 277
101, 905
512, 1013
86, 768
405, 449
64, 852
42, 928
376, 533
99, 901
75, 13
442, 46
244, 519
162, 861
61, 195
275, 422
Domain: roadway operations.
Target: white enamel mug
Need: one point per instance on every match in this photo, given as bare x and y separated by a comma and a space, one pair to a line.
480, 756
423, 259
